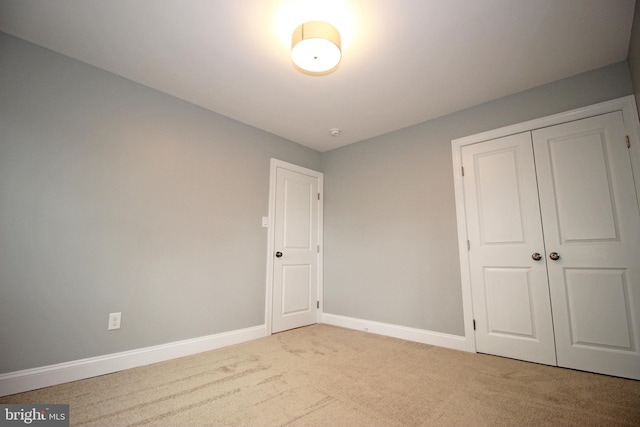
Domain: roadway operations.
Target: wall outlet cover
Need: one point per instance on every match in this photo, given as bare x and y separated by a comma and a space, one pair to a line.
114, 321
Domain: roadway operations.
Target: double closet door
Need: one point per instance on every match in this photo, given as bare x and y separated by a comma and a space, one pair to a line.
553, 227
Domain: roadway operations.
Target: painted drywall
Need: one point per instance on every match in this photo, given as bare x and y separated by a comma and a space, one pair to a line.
391, 250
115, 197
633, 56
118, 198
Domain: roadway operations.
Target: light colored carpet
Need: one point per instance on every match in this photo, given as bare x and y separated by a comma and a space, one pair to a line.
328, 376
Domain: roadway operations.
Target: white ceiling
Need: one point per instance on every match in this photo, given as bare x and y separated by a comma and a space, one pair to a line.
404, 61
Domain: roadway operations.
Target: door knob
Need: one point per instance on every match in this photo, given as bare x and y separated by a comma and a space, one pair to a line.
554, 256
536, 256
278, 254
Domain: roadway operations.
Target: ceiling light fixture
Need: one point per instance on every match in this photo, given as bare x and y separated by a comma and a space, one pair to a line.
315, 48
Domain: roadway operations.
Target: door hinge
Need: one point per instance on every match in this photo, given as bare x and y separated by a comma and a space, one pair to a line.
318, 248
474, 324
317, 304
628, 142
318, 196
468, 245
462, 170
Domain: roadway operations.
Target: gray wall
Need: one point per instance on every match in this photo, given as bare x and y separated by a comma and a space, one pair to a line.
391, 250
634, 52
115, 197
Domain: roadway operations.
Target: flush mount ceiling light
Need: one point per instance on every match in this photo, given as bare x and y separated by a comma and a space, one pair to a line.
315, 48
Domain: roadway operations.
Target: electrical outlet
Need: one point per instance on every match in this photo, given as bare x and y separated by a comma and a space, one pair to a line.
114, 321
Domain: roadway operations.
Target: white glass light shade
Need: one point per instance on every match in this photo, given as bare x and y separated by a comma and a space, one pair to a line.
315, 48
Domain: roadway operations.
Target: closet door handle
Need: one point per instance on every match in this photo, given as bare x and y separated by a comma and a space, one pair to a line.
278, 254
536, 256
554, 256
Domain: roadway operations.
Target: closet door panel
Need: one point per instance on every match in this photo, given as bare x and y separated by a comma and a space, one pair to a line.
591, 221
509, 288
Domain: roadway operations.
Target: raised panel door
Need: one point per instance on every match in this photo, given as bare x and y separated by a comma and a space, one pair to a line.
591, 221
509, 287
295, 268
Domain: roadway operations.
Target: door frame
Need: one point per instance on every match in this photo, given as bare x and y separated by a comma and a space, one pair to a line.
275, 164
626, 105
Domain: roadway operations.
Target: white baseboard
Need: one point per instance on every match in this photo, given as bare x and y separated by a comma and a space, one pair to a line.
439, 339
31, 379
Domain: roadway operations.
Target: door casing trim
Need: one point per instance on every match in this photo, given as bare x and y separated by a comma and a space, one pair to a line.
626, 105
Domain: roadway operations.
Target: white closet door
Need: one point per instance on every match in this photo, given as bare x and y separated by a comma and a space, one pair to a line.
591, 221
509, 287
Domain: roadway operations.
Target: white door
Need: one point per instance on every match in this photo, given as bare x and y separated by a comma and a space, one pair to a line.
591, 221
509, 287
296, 251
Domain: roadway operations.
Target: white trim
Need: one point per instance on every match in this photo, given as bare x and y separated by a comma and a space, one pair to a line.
31, 379
463, 253
275, 164
321, 244
439, 339
268, 308
626, 105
